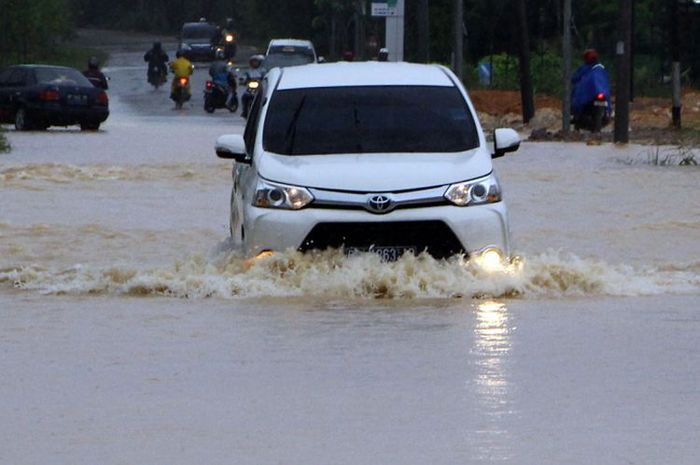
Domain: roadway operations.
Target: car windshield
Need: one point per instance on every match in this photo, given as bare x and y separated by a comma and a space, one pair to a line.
369, 119
286, 59
198, 32
61, 77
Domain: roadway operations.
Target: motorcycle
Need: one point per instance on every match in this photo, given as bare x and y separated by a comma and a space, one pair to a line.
590, 99
181, 92
216, 96
250, 90
157, 76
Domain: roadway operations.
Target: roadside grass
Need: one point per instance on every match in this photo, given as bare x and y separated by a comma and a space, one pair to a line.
75, 57
4, 145
681, 155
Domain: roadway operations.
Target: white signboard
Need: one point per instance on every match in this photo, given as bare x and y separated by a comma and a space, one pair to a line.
383, 9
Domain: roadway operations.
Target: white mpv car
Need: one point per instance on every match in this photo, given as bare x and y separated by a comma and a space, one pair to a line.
380, 157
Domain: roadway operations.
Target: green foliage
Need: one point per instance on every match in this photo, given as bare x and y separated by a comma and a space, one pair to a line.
4, 145
32, 28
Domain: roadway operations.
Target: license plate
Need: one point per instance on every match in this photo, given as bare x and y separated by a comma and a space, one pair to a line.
600, 104
386, 253
76, 99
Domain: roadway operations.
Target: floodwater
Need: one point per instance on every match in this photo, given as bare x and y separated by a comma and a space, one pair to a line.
131, 331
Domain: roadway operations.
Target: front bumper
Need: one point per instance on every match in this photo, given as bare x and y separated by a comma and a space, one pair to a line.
57, 115
475, 227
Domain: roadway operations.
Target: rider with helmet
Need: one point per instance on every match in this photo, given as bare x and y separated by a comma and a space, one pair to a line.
156, 59
94, 75
254, 74
222, 74
181, 67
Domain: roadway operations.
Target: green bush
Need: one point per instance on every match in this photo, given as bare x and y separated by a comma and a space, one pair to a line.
546, 70
4, 145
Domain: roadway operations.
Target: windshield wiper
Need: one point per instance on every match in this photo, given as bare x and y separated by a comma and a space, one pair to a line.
358, 134
291, 133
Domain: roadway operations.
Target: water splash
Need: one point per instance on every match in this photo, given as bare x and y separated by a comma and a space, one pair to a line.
330, 274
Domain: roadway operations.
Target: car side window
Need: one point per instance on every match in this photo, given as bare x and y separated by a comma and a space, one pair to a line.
251, 129
16, 78
4, 77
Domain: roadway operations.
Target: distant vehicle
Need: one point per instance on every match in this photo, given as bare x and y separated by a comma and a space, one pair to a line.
39, 96
289, 52
198, 41
380, 157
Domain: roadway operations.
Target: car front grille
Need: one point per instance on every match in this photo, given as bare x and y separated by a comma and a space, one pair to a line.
434, 236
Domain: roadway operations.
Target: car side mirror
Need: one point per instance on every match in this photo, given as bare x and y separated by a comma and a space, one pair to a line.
505, 140
232, 147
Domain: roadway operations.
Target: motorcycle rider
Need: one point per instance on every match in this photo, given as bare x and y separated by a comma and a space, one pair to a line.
181, 67
226, 39
589, 80
222, 74
156, 59
94, 75
254, 73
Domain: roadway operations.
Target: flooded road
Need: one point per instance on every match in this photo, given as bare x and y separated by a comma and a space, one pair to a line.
131, 332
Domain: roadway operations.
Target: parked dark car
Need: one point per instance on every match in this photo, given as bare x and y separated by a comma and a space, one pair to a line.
39, 96
198, 41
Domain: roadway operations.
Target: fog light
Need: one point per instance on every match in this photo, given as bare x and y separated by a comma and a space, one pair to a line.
491, 260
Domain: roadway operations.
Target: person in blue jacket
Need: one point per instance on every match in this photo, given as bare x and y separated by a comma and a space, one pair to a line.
590, 84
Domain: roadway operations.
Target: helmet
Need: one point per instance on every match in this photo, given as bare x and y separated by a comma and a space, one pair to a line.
383, 54
590, 56
93, 62
219, 54
255, 61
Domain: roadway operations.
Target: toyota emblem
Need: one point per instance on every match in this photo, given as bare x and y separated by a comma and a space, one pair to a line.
380, 203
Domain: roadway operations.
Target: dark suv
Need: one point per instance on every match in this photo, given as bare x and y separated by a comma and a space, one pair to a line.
198, 41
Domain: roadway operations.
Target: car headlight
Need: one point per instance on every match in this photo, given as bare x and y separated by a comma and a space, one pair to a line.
475, 192
273, 195
229, 37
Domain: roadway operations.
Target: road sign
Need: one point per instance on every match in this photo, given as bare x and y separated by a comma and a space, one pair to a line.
384, 9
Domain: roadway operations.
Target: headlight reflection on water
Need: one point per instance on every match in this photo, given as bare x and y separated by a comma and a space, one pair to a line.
491, 379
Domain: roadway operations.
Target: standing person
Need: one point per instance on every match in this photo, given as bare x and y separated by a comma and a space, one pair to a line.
157, 59
94, 75
181, 67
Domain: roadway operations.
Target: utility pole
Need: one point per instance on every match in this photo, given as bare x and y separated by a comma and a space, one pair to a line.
566, 49
675, 62
395, 29
624, 65
423, 13
526, 92
458, 38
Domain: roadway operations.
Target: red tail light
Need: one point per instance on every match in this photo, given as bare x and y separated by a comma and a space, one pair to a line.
102, 98
183, 81
210, 84
49, 95
600, 97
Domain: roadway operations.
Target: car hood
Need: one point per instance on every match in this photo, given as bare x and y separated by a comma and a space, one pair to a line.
374, 172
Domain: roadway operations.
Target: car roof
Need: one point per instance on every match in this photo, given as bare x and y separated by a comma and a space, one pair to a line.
290, 43
370, 73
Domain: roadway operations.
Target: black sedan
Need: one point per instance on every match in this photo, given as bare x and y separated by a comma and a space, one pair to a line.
39, 96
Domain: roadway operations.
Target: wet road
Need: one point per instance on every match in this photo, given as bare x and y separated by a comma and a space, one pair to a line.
130, 332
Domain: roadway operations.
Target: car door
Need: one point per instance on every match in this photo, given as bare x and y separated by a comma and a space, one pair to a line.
6, 91
243, 173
